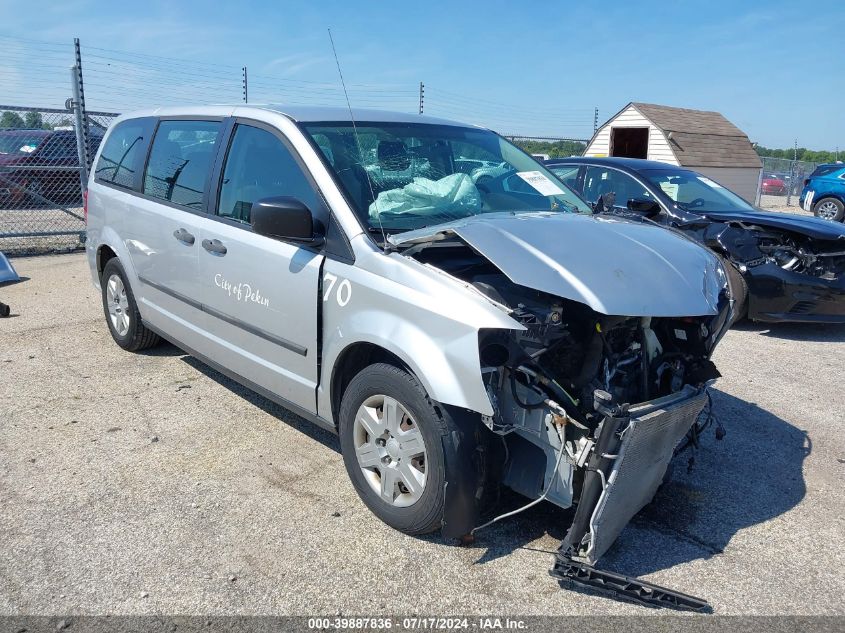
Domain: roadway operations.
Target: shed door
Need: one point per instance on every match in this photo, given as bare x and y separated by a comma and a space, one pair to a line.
629, 142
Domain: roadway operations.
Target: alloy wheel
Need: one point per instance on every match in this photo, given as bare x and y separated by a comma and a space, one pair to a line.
827, 210
118, 305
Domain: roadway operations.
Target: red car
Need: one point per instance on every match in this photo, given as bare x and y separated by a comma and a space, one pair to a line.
38, 167
773, 185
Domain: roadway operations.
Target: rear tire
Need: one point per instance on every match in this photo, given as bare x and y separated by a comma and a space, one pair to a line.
829, 209
375, 456
122, 316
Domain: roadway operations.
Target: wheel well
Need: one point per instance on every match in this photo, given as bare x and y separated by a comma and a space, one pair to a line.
350, 363
104, 254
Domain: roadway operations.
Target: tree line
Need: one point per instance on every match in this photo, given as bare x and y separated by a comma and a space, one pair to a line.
801, 153
30, 121
555, 149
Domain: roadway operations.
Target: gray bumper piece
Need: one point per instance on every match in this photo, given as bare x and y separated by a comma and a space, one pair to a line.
647, 446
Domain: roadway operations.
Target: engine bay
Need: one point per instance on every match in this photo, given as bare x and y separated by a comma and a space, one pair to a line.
749, 246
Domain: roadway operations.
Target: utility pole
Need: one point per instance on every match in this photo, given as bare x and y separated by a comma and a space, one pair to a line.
245, 85
422, 96
595, 121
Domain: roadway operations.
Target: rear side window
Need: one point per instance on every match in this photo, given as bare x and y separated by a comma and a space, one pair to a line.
119, 159
824, 170
180, 161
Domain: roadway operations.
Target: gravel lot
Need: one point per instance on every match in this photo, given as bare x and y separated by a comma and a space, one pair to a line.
778, 203
134, 484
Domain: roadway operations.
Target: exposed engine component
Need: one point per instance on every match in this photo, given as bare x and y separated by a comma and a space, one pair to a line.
748, 246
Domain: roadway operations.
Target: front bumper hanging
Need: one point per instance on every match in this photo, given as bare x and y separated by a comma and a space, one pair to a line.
628, 463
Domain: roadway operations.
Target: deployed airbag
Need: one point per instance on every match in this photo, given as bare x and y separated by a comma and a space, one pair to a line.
454, 196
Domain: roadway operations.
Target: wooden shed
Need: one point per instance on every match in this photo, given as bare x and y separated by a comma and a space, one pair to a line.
701, 140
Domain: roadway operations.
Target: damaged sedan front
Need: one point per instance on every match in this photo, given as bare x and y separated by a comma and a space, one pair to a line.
793, 266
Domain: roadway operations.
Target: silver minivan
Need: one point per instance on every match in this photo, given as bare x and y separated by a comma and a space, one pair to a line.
423, 288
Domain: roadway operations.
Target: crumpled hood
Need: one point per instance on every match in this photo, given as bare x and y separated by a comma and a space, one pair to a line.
613, 265
809, 226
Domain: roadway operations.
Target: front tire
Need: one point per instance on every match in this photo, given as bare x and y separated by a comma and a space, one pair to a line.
829, 209
121, 311
391, 437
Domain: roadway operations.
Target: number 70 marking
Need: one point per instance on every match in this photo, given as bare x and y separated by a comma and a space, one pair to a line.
344, 289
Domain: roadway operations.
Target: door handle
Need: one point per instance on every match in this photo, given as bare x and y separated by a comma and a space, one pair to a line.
183, 236
215, 247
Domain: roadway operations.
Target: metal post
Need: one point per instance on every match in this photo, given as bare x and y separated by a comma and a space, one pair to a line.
595, 121
79, 126
81, 101
245, 86
759, 185
422, 96
792, 170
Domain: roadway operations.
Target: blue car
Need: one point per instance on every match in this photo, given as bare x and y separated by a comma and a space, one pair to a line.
824, 192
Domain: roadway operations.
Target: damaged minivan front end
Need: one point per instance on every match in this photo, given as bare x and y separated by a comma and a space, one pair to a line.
567, 354
608, 370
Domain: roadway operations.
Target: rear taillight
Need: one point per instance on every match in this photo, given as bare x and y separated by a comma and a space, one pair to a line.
85, 206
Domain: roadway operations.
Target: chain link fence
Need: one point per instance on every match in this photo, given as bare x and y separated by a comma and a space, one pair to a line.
41, 178
781, 182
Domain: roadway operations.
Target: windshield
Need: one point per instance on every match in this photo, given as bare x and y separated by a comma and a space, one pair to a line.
694, 192
19, 143
403, 176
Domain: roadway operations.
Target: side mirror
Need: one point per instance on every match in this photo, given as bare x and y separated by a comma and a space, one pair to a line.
285, 218
643, 206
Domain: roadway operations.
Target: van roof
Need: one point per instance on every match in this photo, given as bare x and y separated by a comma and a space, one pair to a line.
304, 114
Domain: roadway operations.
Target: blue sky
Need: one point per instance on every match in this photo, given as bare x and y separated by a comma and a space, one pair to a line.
773, 68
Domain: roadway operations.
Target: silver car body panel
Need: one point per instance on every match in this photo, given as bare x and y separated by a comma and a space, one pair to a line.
598, 261
425, 317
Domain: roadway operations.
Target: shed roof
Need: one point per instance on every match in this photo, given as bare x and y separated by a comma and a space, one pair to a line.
701, 138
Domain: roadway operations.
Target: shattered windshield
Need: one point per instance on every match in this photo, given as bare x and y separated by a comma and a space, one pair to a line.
403, 176
19, 143
694, 192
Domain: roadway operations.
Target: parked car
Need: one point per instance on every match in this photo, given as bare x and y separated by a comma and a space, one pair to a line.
794, 266
456, 336
38, 167
824, 192
773, 185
